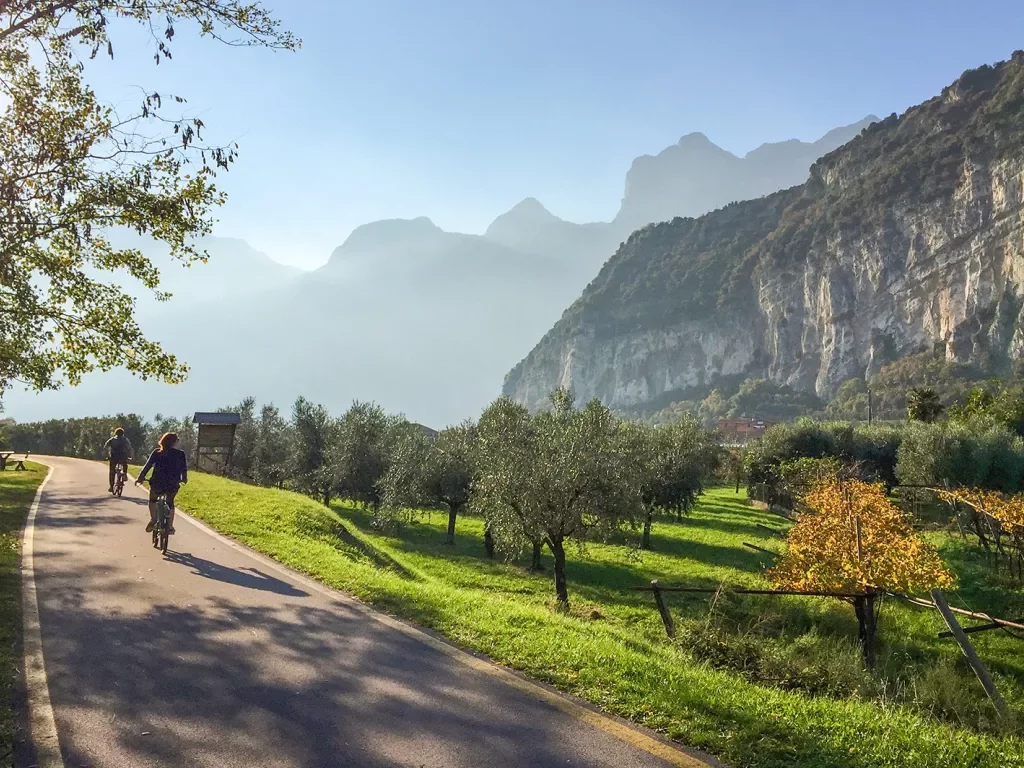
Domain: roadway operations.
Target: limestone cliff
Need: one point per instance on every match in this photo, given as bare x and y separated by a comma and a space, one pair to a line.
908, 237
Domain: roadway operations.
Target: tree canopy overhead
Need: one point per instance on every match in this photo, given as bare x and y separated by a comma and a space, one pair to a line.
72, 167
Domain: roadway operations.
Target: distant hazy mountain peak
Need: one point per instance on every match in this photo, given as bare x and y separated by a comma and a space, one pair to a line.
533, 207
388, 234
696, 175
695, 139
526, 216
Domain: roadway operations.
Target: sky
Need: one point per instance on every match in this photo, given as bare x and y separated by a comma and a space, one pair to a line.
458, 109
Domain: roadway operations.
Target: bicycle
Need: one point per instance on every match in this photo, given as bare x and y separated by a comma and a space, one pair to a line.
119, 477
161, 528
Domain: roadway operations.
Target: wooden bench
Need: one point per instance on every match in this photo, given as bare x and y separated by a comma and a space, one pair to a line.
19, 460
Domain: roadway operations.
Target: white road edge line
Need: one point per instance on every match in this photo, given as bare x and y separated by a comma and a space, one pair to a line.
42, 725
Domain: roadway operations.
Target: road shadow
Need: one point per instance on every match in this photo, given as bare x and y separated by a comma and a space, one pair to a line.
250, 578
286, 683
83, 520
312, 685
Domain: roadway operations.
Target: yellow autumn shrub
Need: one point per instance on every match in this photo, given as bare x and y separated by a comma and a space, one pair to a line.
822, 551
1008, 510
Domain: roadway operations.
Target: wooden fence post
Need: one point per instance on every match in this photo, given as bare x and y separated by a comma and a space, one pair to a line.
666, 617
972, 656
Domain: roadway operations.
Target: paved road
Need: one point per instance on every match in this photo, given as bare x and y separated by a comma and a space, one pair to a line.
211, 658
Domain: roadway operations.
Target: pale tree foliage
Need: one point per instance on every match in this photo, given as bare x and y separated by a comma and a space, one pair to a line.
360, 453
403, 486
565, 473
427, 473
71, 167
313, 432
505, 445
184, 428
673, 462
244, 447
273, 447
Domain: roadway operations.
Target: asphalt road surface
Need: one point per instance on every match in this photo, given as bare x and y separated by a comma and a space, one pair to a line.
208, 657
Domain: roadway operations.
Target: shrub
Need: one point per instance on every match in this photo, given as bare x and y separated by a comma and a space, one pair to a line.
976, 454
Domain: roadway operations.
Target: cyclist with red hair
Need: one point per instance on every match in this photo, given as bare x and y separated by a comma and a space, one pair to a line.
170, 472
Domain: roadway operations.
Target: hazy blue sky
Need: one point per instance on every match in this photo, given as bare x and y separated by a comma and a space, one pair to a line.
457, 109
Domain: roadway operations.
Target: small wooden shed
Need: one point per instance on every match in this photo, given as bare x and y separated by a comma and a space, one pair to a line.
215, 441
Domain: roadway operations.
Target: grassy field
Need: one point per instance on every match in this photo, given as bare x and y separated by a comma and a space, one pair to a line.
17, 489
766, 682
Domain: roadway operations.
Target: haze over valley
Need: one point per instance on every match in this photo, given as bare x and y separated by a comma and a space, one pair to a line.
423, 321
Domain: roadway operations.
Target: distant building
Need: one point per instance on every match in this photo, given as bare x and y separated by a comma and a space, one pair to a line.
742, 429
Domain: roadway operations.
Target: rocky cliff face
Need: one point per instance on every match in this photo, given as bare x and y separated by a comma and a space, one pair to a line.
909, 237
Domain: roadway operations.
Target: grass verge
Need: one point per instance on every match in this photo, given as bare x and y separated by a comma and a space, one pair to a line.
610, 649
17, 489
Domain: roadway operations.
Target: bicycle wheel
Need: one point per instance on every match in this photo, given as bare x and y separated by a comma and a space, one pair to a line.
163, 516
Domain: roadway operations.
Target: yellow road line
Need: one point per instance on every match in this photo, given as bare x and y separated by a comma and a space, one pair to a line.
42, 726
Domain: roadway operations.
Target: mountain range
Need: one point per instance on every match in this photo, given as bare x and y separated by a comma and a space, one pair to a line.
423, 321
909, 238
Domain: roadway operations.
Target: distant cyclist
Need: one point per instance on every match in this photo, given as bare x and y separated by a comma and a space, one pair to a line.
120, 452
169, 474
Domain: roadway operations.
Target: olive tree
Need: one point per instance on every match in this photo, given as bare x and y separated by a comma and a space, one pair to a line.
505, 455
314, 434
427, 473
245, 438
273, 448
674, 462
360, 453
71, 167
565, 473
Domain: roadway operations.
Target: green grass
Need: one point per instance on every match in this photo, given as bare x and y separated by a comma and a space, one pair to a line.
17, 489
611, 648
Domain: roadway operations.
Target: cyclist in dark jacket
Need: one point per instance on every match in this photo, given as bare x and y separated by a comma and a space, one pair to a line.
119, 449
169, 474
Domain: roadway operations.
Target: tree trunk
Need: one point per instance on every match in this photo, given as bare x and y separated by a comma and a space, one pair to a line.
558, 550
977, 529
488, 541
645, 542
450, 537
535, 563
327, 497
679, 514
865, 608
